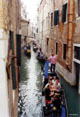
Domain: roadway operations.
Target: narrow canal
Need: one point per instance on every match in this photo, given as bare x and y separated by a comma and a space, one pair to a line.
30, 101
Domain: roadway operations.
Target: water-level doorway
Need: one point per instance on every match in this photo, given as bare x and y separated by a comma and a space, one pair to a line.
76, 66
77, 76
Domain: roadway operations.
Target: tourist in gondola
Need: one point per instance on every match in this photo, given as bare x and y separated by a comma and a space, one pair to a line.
54, 80
24, 48
58, 84
48, 93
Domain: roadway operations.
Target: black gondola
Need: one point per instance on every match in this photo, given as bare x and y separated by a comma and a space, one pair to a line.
41, 59
27, 50
56, 106
40, 56
35, 49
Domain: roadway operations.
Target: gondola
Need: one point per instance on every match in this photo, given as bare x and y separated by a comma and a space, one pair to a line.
35, 48
28, 52
41, 59
56, 106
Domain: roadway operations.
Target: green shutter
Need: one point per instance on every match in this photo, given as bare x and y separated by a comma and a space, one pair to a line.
11, 43
13, 74
18, 42
64, 13
56, 17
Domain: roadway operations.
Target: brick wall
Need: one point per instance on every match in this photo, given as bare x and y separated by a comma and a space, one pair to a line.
64, 33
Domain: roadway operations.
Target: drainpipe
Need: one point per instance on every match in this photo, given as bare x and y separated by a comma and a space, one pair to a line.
70, 29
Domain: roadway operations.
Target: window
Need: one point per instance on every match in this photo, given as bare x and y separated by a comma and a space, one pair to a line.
56, 48
56, 17
47, 41
64, 13
77, 52
51, 19
78, 7
64, 51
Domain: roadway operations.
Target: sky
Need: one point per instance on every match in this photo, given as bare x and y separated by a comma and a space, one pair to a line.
31, 8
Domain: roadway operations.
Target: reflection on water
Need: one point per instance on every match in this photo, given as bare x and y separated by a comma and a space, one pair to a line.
30, 102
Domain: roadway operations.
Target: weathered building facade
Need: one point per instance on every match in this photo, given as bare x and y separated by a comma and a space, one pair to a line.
64, 37
44, 23
24, 31
10, 34
27, 31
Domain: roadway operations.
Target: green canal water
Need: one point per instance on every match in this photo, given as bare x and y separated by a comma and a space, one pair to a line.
73, 99
30, 96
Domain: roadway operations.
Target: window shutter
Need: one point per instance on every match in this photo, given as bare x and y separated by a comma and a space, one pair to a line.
64, 12
56, 48
18, 42
11, 42
55, 18
13, 74
64, 54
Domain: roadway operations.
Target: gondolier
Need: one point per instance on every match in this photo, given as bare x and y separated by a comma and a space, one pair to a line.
52, 60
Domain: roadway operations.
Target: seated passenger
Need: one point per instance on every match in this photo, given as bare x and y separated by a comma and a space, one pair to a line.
54, 80
49, 78
54, 88
47, 95
48, 84
58, 84
24, 48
